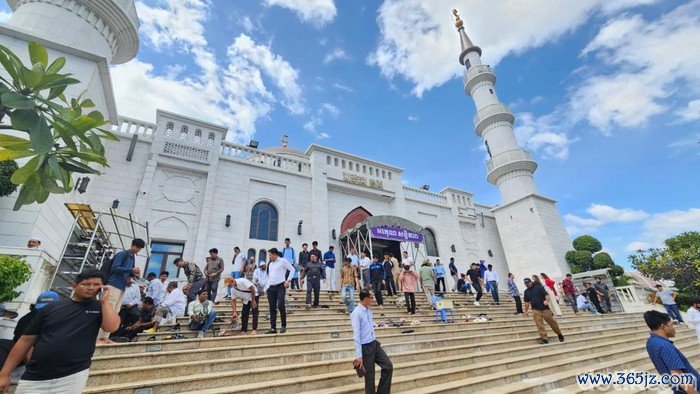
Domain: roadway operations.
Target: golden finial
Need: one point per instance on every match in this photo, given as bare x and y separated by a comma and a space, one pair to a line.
458, 20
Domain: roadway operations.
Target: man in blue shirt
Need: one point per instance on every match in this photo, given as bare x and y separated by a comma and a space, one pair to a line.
123, 266
368, 350
329, 261
663, 353
439, 276
289, 255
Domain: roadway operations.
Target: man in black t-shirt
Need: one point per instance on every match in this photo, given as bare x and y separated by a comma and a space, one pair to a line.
63, 336
536, 297
474, 278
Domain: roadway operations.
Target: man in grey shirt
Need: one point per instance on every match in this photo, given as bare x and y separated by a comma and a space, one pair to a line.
603, 294
212, 273
668, 299
314, 274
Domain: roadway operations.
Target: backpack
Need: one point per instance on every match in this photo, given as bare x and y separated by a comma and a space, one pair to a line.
106, 269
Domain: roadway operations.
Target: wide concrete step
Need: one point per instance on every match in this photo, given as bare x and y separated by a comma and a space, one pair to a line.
338, 368
332, 336
488, 376
494, 350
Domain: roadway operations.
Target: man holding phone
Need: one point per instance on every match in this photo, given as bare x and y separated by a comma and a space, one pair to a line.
62, 336
368, 351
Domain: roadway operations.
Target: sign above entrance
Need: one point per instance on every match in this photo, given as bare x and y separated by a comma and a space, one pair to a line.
362, 181
396, 234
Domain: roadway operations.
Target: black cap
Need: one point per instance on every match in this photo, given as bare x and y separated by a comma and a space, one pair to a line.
275, 252
527, 280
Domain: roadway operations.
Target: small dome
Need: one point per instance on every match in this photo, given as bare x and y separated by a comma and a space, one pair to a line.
287, 151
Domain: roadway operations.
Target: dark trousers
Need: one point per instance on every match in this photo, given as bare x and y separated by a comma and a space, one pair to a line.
212, 287
377, 287
410, 302
596, 304
437, 285
518, 304
195, 288
479, 292
313, 283
372, 353
295, 284
607, 306
275, 299
390, 286
365, 278
245, 313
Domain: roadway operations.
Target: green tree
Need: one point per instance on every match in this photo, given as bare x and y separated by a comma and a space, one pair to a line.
63, 137
678, 260
583, 259
586, 242
13, 272
7, 168
602, 260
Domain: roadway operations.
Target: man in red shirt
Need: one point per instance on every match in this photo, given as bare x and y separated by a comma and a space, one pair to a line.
570, 292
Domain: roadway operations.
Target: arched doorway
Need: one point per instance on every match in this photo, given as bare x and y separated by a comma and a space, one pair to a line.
357, 215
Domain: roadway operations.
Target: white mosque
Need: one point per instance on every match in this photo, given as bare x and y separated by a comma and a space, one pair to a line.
190, 189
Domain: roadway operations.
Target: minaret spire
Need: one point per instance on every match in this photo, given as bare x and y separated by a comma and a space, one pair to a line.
467, 44
531, 230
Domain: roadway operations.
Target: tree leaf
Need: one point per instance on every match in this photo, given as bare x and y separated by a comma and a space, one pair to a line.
16, 100
84, 123
90, 156
7, 63
7, 154
23, 173
54, 81
87, 103
13, 143
41, 137
24, 119
108, 135
55, 92
25, 196
54, 168
38, 54
57, 65
30, 77
97, 144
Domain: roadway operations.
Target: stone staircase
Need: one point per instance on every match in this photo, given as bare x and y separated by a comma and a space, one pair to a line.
315, 354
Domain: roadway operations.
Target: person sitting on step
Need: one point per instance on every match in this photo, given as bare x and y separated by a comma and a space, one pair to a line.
202, 314
172, 307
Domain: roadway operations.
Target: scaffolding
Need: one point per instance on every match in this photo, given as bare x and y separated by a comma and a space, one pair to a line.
359, 237
94, 238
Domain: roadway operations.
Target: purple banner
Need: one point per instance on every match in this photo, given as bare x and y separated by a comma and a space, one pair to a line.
396, 234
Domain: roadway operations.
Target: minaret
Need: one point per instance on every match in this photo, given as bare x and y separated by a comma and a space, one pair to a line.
107, 28
532, 233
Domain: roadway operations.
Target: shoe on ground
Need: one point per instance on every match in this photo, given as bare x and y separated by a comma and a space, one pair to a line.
542, 341
271, 332
201, 334
308, 306
151, 330
476, 303
283, 330
561, 338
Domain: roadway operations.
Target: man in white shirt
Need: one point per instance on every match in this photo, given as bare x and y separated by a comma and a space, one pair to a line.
407, 260
583, 305
491, 278
156, 289
173, 306
276, 289
129, 312
249, 295
238, 263
668, 299
260, 277
365, 262
354, 260
694, 316
202, 314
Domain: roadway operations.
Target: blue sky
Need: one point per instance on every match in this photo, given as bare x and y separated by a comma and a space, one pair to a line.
606, 93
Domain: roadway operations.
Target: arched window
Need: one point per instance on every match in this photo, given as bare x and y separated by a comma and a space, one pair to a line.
169, 129
262, 256
197, 136
431, 248
328, 160
263, 222
183, 133
210, 140
251, 253
335, 162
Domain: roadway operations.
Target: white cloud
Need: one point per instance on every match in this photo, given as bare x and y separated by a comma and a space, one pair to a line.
331, 109
418, 41
536, 100
542, 135
5, 16
600, 215
412, 118
322, 136
335, 54
691, 142
316, 12
690, 113
635, 246
343, 87
231, 92
651, 61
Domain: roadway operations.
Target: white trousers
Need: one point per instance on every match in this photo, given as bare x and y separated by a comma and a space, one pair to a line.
332, 280
71, 384
115, 298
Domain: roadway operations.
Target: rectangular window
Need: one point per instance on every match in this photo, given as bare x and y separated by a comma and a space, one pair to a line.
163, 255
